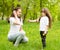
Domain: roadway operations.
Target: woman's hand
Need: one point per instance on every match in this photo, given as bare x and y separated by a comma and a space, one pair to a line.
20, 28
14, 12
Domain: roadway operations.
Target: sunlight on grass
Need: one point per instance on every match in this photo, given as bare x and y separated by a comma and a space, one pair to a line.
32, 32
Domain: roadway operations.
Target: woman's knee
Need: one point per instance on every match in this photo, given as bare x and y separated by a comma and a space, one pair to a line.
25, 39
22, 33
10, 39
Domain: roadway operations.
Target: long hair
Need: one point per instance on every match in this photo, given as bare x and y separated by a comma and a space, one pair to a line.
46, 11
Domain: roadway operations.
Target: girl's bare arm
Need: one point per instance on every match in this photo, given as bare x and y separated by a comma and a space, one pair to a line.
36, 20
45, 32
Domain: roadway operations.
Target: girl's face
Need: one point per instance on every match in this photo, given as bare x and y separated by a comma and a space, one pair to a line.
43, 14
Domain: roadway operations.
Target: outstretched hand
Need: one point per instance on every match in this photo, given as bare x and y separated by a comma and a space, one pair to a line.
29, 20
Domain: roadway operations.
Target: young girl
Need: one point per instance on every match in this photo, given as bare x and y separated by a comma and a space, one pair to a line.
45, 23
16, 33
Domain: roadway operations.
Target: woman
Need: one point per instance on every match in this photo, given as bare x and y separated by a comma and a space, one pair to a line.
16, 33
45, 23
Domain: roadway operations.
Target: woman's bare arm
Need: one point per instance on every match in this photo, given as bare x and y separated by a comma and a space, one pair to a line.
16, 22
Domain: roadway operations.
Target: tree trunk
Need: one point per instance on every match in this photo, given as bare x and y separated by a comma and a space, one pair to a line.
26, 12
12, 5
3, 11
3, 16
41, 5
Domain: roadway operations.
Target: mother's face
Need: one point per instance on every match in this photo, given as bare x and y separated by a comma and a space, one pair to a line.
19, 12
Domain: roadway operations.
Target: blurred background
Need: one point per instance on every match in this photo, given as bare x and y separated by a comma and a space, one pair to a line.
30, 8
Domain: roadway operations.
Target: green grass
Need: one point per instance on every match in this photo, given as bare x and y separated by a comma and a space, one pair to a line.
32, 32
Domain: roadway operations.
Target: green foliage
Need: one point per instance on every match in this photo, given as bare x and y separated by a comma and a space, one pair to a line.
30, 8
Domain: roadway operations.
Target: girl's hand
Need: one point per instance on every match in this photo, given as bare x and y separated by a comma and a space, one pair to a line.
45, 33
29, 20
32, 20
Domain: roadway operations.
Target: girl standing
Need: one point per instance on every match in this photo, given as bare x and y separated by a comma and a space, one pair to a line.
45, 23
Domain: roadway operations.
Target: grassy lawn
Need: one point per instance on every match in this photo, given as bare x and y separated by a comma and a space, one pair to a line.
32, 32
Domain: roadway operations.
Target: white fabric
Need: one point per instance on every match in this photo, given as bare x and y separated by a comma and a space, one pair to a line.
14, 28
14, 33
43, 23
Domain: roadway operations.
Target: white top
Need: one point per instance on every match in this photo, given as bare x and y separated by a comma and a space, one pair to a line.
14, 28
43, 23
